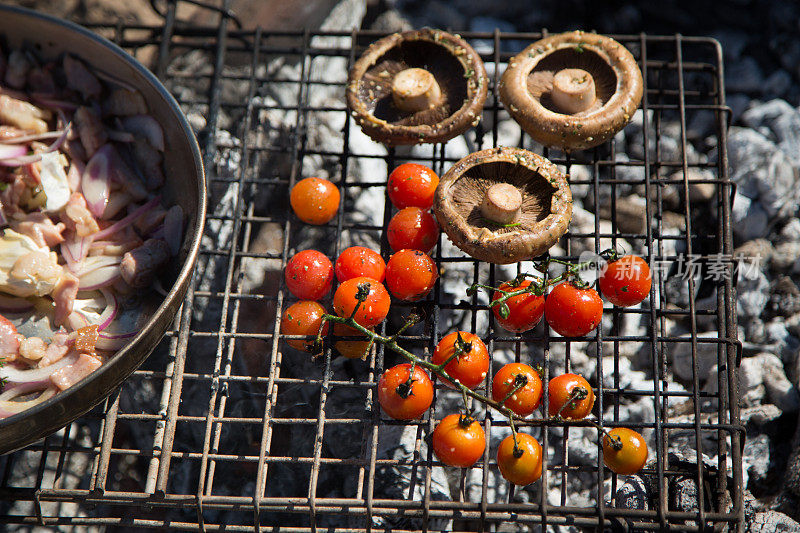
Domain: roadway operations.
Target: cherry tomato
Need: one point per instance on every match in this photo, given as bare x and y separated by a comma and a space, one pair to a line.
410, 275
372, 311
413, 228
351, 349
309, 275
302, 318
525, 400
571, 311
524, 311
412, 185
626, 281
314, 200
560, 399
359, 261
402, 399
523, 467
458, 441
631, 457
470, 367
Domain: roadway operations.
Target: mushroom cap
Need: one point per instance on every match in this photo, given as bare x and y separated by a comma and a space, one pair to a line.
545, 213
527, 82
457, 68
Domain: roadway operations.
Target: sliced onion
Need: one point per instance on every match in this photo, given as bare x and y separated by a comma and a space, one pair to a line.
96, 180
114, 342
147, 127
75, 252
12, 390
35, 137
76, 321
9, 408
49, 101
99, 278
120, 136
94, 262
33, 158
128, 220
173, 229
111, 310
9, 151
13, 304
15, 375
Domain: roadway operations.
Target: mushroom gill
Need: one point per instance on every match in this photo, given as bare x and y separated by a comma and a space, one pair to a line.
470, 191
541, 79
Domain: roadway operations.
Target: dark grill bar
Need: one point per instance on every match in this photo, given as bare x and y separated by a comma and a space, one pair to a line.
205, 434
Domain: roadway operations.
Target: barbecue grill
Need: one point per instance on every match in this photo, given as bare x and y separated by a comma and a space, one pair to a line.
215, 447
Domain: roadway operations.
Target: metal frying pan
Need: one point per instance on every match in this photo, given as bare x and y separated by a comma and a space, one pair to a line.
185, 186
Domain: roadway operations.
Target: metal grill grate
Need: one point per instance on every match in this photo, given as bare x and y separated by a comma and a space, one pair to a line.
213, 451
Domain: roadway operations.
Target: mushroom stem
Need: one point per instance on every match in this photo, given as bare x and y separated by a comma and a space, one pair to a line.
502, 203
573, 90
415, 89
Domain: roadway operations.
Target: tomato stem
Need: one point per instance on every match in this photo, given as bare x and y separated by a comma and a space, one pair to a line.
576, 394
520, 380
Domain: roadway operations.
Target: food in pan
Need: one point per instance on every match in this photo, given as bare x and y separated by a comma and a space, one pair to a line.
84, 232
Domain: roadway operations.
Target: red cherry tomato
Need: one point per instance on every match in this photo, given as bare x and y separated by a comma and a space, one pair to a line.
470, 367
413, 228
524, 311
309, 275
525, 400
573, 312
410, 275
412, 185
404, 399
560, 398
314, 200
372, 311
351, 349
523, 466
303, 318
359, 261
626, 281
628, 459
458, 441
9, 341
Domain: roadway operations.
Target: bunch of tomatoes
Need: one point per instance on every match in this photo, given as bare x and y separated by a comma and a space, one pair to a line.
572, 308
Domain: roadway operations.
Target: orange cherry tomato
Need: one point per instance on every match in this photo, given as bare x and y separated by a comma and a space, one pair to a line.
628, 459
359, 261
303, 318
351, 349
571, 311
470, 367
402, 398
522, 466
458, 441
314, 200
525, 400
410, 275
524, 311
309, 275
412, 228
412, 185
372, 311
560, 400
626, 281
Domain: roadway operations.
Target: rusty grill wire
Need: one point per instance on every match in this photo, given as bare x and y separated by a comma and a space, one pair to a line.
171, 481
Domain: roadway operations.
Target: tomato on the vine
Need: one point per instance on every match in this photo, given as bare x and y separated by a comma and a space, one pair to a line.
524, 310
412, 185
458, 441
372, 310
302, 318
314, 200
403, 397
359, 261
562, 401
469, 367
526, 399
412, 228
410, 275
626, 281
630, 453
521, 465
573, 311
309, 275
351, 349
